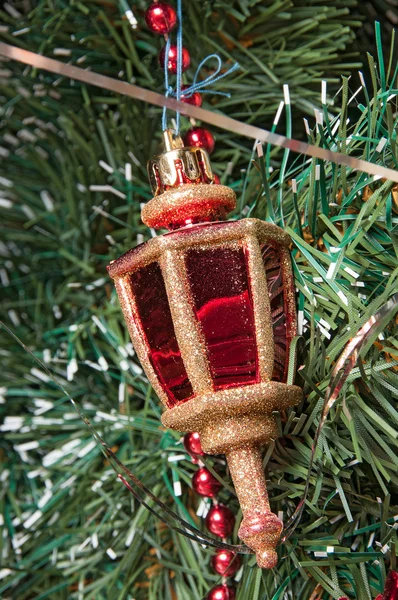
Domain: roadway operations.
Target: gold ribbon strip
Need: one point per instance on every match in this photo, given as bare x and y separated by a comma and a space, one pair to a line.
217, 119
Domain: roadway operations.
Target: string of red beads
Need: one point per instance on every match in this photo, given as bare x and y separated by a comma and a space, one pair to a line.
161, 18
220, 520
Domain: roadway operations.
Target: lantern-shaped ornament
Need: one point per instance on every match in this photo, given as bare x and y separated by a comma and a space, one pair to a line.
210, 308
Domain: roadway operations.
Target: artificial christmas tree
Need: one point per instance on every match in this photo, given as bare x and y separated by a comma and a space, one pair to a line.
73, 177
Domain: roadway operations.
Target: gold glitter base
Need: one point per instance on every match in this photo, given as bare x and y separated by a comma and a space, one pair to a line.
237, 422
234, 416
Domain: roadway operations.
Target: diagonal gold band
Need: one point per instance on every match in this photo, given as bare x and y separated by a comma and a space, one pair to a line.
217, 119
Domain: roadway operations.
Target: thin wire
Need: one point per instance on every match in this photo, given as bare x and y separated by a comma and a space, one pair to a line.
198, 86
213, 118
166, 81
179, 61
168, 89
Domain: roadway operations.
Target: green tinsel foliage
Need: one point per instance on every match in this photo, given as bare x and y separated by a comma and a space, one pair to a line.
276, 42
70, 528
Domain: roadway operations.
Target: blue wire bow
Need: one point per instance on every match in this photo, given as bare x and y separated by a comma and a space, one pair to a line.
196, 86
211, 79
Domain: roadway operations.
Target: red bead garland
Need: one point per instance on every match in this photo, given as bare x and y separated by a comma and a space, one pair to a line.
221, 592
205, 484
160, 18
201, 138
172, 59
220, 521
225, 563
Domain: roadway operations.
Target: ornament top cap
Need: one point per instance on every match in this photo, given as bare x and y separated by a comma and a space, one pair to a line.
183, 186
178, 165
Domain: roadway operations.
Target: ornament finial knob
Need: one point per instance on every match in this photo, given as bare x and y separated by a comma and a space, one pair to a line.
260, 528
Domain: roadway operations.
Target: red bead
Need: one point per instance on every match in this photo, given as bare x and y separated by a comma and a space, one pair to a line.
220, 521
172, 59
216, 179
195, 99
192, 444
205, 484
221, 592
225, 563
160, 18
201, 138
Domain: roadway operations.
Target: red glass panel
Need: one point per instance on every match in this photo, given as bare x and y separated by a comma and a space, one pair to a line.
220, 290
156, 322
273, 271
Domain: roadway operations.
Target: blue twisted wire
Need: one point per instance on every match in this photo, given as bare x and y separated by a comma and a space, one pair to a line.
179, 60
169, 89
166, 81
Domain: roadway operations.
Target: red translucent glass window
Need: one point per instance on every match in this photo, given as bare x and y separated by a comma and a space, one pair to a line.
273, 271
155, 318
221, 294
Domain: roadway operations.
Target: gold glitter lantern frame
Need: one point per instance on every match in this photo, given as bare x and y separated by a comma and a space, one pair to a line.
236, 421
